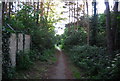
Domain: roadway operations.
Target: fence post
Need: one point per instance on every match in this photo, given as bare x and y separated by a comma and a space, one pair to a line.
16, 47
23, 42
0, 41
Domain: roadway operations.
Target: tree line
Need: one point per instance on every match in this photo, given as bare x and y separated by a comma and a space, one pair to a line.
91, 23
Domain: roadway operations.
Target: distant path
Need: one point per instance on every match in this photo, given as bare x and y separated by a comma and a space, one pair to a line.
60, 70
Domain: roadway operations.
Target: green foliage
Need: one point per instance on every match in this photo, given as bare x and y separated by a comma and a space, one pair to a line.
101, 31
95, 62
76, 73
26, 59
23, 61
34, 55
7, 69
71, 38
42, 34
47, 54
11, 72
98, 31
23, 20
43, 38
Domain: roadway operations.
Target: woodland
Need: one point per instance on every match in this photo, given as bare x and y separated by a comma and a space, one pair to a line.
91, 42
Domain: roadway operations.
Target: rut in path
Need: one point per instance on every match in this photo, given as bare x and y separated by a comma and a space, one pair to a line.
60, 70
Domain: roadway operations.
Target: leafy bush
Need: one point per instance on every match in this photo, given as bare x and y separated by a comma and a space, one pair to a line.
10, 73
47, 54
34, 55
23, 20
23, 61
41, 32
95, 61
72, 38
43, 40
26, 59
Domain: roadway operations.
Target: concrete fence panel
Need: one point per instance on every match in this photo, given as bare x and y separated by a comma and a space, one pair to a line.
20, 42
13, 49
13, 46
27, 42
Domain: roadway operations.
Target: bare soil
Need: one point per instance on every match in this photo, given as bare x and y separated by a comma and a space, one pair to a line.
60, 70
48, 70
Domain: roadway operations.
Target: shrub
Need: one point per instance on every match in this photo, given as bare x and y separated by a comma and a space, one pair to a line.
96, 62
72, 38
34, 55
47, 54
23, 61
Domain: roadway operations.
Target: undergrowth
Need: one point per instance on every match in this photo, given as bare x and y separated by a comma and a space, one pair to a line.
95, 62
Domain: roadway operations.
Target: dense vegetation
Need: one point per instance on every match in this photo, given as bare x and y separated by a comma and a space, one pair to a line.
95, 56
95, 62
92, 42
42, 37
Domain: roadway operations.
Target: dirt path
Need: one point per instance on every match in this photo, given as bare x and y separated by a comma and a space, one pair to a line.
60, 70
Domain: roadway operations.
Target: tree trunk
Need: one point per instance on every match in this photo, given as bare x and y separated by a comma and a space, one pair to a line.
37, 12
48, 7
114, 24
74, 17
108, 29
77, 16
72, 14
88, 29
94, 25
10, 4
3, 10
69, 16
41, 7
34, 8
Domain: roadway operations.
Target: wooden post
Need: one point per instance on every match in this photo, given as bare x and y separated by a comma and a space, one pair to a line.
0, 41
